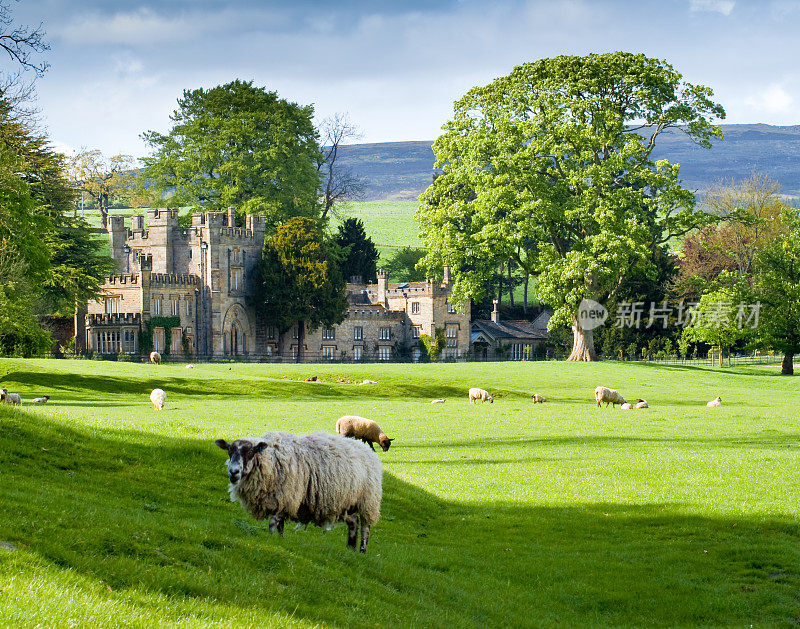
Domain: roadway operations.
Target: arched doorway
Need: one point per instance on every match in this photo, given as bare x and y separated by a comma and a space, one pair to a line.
236, 332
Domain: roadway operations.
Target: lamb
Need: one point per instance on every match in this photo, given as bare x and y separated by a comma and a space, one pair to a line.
439, 401
716, 402
158, 397
367, 382
538, 399
190, 366
317, 478
627, 406
609, 396
10, 398
479, 394
41, 400
362, 428
640, 403
155, 358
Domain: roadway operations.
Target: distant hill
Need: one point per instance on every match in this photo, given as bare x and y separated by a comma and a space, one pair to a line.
402, 170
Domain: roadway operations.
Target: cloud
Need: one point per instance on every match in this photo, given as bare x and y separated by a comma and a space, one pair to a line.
712, 6
773, 100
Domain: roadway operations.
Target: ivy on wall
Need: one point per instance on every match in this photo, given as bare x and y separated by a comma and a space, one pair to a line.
146, 336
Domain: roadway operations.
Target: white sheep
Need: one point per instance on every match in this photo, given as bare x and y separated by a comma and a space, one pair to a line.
10, 398
158, 397
367, 382
155, 358
479, 394
362, 428
715, 402
640, 403
41, 400
538, 399
627, 406
190, 366
317, 478
439, 401
609, 396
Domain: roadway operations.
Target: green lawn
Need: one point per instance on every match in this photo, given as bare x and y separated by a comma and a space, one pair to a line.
494, 515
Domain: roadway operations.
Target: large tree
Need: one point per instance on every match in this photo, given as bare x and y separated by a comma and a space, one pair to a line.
237, 145
298, 280
105, 180
551, 167
777, 285
359, 254
339, 183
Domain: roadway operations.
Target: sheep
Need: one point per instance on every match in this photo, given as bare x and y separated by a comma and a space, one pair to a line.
190, 366
41, 400
715, 402
439, 401
627, 406
155, 358
362, 428
158, 397
479, 394
10, 398
538, 399
609, 396
318, 478
367, 382
640, 403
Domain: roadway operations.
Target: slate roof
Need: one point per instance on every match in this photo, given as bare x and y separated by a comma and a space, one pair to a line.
520, 330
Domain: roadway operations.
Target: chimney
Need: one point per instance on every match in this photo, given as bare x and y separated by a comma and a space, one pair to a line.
231, 216
383, 283
495, 312
446, 277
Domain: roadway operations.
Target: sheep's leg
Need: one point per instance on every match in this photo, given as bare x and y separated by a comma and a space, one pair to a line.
276, 524
352, 529
364, 535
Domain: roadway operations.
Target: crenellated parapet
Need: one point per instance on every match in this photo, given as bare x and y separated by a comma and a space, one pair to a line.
173, 279
123, 279
116, 319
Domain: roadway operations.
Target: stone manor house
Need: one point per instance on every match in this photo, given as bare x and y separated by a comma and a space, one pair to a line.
184, 292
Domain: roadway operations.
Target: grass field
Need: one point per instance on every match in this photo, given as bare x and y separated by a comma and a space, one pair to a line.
509, 514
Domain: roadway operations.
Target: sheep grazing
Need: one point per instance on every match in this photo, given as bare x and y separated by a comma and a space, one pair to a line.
189, 366
627, 406
41, 400
716, 402
439, 401
609, 396
318, 478
367, 382
155, 358
479, 394
158, 397
640, 403
538, 399
10, 398
362, 428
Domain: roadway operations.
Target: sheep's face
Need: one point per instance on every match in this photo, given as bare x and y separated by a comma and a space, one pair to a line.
241, 454
385, 443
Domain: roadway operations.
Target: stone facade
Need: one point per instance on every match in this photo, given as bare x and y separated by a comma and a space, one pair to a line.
194, 282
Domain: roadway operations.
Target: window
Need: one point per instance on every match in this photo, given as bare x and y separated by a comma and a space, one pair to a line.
157, 305
415, 330
112, 305
158, 340
327, 352
384, 353
414, 307
358, 333
452, 336
129, 342
358, 352
175, 346
294, 334
329, 334
174, 307
236, 279
271, 332
188, 306
450, 308
384, 334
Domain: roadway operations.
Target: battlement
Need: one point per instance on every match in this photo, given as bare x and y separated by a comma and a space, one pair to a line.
123, 278
116, 223
173, 279
374, 312
162, 218
122, 318
239, 233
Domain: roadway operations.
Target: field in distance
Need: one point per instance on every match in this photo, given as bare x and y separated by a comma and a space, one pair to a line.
493, 515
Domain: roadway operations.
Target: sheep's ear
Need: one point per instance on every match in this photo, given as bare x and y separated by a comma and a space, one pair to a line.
390, 440
260, 447
223, 444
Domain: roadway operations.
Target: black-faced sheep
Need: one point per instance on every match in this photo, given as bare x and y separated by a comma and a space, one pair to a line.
609, 396
41, 400
155, 358
715, 402
10, 398
318, 478
479, 394
362, 428
538, 399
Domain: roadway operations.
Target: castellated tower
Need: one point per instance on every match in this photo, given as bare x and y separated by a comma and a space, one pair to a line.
117, 235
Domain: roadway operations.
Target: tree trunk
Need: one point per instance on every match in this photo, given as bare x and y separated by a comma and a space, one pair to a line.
301, 337
787, 367
525, 295
720, 355
102, 206
582, 343
510, 287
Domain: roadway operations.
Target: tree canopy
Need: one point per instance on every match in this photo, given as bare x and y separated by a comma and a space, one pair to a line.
240, 145
551, 167
359, 254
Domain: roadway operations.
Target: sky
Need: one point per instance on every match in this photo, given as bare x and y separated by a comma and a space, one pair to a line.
117, 67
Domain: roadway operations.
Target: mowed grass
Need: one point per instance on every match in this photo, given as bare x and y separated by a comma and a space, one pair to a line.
504, 514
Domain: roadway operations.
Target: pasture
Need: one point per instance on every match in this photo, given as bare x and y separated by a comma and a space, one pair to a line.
504, 514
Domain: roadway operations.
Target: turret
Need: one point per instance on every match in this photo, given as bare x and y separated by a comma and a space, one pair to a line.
495, 311
137, 223
383, 284
117, 235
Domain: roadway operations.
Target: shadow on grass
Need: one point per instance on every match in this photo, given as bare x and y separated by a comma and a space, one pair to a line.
149, 516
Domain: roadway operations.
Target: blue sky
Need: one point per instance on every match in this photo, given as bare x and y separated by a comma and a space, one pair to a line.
117, 68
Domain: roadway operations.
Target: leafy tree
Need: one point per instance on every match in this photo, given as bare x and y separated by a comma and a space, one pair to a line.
239, 145
702, 257
339, 183
777, 285
298, 280
551, 167
360, 253
105, 180
402, 266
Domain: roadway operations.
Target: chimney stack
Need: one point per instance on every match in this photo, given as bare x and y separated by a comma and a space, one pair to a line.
446, 277
383, 284
495, 312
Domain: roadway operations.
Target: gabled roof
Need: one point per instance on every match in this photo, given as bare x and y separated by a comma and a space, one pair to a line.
509, 330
